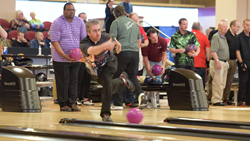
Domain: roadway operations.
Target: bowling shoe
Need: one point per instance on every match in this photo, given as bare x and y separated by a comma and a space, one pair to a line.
142, 100
128, 83
65, 109
131, 105
87, 103
106, 118
74, 108
241, 104
78, 103
219, 104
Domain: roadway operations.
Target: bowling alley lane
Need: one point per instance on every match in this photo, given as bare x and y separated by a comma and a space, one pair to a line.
50, 116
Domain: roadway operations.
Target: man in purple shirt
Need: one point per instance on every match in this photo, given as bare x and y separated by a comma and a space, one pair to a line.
66, 32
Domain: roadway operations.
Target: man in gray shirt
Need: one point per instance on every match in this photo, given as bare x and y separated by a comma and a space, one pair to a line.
127, 32
218, 63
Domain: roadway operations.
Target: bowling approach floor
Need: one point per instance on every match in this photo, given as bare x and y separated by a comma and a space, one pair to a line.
50, 116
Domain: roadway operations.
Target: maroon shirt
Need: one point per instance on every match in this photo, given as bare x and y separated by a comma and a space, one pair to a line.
154, 51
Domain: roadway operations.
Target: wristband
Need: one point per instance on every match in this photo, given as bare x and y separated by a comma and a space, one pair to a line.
242, 65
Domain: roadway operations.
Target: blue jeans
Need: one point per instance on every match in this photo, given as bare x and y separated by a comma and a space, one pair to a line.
23, 29
152, 64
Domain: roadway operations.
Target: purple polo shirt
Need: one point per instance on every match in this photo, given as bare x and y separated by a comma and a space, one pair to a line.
67, 34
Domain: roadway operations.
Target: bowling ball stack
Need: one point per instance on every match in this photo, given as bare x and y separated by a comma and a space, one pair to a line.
75, 54
190, 48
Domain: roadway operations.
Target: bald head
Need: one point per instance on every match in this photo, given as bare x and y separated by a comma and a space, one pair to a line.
222, 27
196, 26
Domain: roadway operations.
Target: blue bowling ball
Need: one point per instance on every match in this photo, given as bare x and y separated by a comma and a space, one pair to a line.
148, 80
158, 80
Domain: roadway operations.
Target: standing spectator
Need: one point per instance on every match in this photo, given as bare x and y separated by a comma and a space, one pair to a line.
83, 16
109, 18
178, 44
128, 34
3, 34
38, 41
208, 32
218, 63
204, 55
230, 36
20, 23
241, 44
63, 40
20, 41
47, 40
144, 41
36, 24
128, 6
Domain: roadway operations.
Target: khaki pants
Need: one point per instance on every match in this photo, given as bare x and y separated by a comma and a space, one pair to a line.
219, 80
54, 90
230, 75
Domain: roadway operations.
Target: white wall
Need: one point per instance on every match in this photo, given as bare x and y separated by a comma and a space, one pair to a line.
206, 22
156, 16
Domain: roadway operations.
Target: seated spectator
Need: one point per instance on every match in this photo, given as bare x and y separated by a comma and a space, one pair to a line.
83, 16
21, 41
38, 41
48, 41
20, 23
36, 24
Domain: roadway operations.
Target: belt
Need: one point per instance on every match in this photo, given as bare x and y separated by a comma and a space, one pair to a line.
220, 60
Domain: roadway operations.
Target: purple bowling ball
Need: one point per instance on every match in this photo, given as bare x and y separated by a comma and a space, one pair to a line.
75, 54
156, 70
134, 115
190, 48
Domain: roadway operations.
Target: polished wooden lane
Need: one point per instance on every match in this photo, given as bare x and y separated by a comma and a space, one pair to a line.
50, 116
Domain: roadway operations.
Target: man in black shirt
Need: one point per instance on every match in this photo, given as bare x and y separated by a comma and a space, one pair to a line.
242, 43
100, 47
20, 41
230, 36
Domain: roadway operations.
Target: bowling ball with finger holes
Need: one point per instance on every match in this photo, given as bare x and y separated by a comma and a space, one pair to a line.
41, 77
166, 78
156, 70
148, 79
190, 48
75, 54
134, 115
157, 80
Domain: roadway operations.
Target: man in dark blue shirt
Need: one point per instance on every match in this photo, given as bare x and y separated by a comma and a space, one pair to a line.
128, 6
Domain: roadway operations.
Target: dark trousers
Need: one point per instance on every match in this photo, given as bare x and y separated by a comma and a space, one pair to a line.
185, 67
128, 62
1, 66
202, 73
110, 85
244, 85
84, 79
66, 82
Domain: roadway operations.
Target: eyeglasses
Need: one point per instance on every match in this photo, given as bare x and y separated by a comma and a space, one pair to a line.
71, 10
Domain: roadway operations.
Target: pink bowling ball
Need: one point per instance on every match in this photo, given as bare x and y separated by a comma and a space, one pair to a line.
134, 115
75, 54
156, 70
